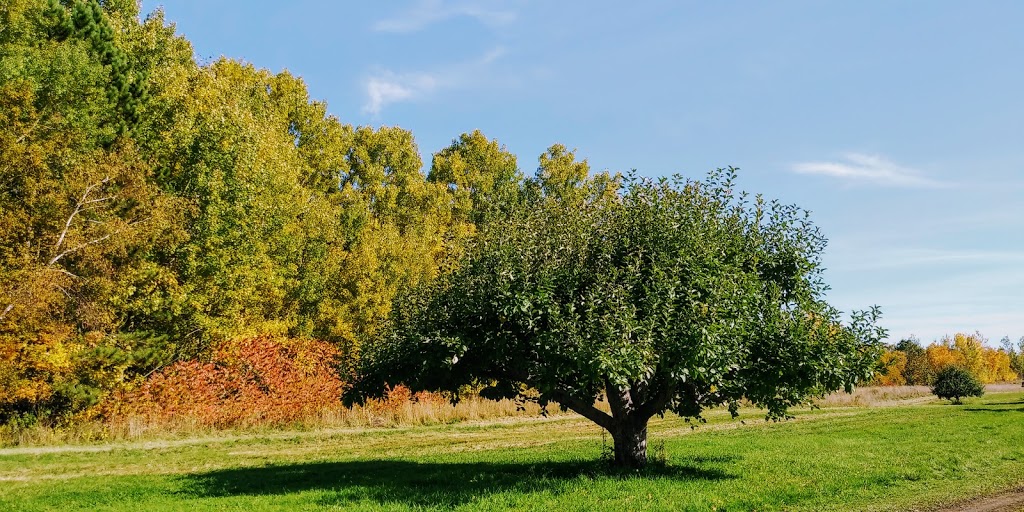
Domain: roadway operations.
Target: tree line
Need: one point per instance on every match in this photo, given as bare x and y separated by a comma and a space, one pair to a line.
153, 207
909, 363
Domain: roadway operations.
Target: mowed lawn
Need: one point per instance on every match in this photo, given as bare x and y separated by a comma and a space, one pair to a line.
906, 457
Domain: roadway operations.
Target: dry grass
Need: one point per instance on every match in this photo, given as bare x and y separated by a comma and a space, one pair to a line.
882, 396
875, 396
401, 409
426, 410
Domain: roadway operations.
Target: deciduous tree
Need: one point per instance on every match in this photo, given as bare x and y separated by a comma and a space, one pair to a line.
667, 295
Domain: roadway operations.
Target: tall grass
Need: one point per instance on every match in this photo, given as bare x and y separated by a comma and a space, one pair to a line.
399, 408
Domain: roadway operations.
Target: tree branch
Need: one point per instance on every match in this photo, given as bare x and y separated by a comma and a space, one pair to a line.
82, 204
6, 310
584, 409
64, 291
29, 132
662, 394
83, 245
78, 209
62, 271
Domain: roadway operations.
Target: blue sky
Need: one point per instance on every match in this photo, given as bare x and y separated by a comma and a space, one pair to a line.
900, 125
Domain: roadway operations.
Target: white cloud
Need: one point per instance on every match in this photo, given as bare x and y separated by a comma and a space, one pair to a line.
871, 169
386, 87
427, 12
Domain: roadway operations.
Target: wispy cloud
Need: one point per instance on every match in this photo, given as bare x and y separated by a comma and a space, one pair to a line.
962, 303
385, 87
932, 327
388, 87
424, 13
931, 292
896, 258
870, 169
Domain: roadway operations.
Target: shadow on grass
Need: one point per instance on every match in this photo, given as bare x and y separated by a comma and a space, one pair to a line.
424, 484
984, 409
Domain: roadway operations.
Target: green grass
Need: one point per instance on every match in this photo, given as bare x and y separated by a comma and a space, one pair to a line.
884, 458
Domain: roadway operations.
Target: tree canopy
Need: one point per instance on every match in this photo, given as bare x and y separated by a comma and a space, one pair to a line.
655, 295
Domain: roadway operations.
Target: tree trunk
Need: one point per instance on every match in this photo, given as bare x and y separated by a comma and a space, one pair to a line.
630, 438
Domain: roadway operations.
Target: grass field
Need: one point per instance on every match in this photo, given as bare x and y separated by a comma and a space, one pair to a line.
911, 456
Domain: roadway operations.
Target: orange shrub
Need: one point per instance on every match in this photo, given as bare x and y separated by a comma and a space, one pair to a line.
248, 382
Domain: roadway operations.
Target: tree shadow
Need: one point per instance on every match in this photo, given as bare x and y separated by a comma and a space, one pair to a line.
425, 484
982, 409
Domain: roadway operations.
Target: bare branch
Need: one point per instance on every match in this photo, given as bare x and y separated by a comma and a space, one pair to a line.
97, 200
78, 209
62, 271
29, 130
6, 310
64, 291
78, 247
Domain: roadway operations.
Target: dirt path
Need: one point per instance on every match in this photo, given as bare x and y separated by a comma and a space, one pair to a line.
1012, 501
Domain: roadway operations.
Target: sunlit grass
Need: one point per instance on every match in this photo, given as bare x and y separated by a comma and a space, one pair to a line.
398, 412
850, 458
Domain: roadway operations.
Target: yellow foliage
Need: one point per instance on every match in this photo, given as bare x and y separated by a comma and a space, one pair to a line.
894, 363
969, 351
998, 364
29, 368
941, 356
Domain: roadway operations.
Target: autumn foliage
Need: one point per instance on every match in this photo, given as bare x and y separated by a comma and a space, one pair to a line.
894, 364
909, 363
249, 381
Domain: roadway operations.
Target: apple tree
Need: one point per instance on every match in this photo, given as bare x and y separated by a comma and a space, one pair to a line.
670, 295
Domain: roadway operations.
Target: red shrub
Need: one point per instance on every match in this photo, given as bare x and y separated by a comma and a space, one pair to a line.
249, 381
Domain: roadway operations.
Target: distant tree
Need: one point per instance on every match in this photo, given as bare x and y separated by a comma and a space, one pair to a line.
893, 368
560, 175
666, 295
917, 371
970, 352
1015, 353
956, 382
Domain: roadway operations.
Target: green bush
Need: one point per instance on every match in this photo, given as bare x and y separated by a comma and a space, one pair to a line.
955, 382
